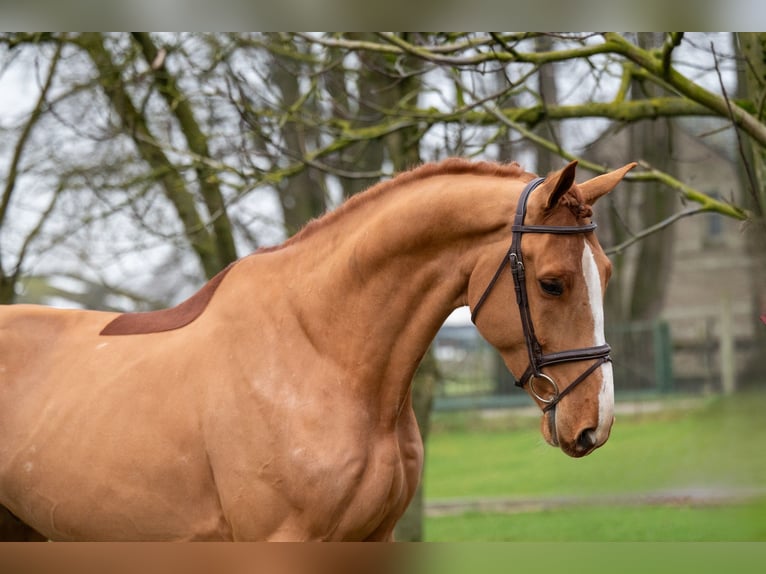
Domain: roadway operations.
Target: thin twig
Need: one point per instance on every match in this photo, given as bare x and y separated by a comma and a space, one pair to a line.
34, 116
740, 146
708, 203
619, 248
11, 179
36, 230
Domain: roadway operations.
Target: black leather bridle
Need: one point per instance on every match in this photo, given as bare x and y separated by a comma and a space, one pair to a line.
537, 359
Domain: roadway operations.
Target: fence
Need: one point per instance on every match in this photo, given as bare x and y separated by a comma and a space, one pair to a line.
646, 361
692, 351
715, 347
472, 373
642, 357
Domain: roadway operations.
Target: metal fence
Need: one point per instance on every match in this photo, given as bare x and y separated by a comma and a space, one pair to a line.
474, 376
716, 348
711, 349
642, 355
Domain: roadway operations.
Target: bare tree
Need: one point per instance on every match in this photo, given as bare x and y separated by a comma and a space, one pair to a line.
186, 150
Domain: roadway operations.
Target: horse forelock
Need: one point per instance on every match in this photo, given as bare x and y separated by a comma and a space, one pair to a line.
450, 166
574, 201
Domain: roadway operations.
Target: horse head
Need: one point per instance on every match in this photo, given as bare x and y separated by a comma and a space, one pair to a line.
543, 307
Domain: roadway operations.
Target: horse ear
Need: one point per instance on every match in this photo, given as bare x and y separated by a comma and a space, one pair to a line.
559, 182
603, 184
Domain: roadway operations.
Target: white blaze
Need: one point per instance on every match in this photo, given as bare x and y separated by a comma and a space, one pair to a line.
606, 394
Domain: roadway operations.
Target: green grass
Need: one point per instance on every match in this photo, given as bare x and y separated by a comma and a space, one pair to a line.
743, 523
719, 443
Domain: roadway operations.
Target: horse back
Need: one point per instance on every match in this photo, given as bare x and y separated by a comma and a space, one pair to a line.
28, 328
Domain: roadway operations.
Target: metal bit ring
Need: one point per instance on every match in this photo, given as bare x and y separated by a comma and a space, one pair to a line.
535, 392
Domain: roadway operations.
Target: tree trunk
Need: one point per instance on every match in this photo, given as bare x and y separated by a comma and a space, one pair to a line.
547, 161
652, 141
302, 196
752, 47
639, 279
410, 526
7, 290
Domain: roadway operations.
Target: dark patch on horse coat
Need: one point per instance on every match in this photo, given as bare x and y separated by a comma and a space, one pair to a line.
166, 319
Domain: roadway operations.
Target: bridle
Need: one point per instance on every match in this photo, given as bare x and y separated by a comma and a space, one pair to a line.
537, 359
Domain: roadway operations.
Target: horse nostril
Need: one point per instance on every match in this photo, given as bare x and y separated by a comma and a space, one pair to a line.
586, 440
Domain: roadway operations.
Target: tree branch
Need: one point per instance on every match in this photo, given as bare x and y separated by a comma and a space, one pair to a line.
708, 203
619, 248
398, 46
13, 169
740, 146
32, 235
687, 87
18, 151
672, 41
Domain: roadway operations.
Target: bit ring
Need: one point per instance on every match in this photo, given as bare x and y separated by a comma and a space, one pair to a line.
535, 392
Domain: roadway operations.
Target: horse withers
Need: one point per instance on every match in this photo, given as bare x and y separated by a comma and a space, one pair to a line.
275, 403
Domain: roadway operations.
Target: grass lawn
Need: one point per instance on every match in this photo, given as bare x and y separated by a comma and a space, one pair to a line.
741, 523
718, 443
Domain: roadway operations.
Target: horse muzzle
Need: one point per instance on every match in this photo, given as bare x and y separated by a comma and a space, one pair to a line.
577, 443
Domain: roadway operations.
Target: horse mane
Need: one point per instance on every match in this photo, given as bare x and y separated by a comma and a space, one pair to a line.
190, 309
166, 319
450, 166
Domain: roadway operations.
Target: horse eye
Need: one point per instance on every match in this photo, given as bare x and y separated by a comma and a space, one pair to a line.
552, 287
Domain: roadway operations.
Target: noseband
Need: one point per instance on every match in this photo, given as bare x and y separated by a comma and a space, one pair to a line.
537, 359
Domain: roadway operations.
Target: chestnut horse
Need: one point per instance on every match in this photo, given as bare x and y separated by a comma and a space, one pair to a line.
275, 403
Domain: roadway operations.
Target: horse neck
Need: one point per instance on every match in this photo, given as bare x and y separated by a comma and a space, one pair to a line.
374, 287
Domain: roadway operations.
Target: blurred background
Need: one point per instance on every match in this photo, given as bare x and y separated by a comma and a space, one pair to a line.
133, 167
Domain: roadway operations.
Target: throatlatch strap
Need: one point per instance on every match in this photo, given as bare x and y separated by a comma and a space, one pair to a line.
492, 282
